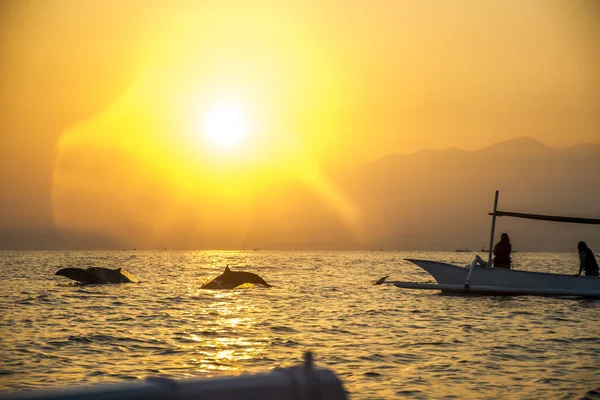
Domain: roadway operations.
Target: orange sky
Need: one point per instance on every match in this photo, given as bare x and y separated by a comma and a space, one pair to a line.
318, 85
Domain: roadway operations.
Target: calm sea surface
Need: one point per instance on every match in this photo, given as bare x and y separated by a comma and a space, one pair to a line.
383, 342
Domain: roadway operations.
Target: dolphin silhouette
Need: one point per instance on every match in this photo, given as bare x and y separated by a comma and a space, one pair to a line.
231, 279
97, 275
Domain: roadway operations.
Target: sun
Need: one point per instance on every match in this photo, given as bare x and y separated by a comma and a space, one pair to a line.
225, 125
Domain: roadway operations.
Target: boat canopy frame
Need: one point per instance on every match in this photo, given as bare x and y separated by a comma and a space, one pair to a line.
539, 217
458, 285
553, 218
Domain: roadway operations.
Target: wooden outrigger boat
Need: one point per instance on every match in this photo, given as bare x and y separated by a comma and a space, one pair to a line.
479, 278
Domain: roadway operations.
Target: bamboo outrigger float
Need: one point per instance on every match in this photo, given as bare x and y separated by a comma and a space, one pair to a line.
479, 278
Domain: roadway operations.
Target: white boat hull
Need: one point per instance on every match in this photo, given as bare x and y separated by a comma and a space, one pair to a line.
498, 281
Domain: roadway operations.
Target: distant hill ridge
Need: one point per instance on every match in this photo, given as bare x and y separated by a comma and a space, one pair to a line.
522, 145
517, 146
440, 199
435, 200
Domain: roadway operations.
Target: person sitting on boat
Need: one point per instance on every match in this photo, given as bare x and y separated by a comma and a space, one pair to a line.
502, 251
587, 260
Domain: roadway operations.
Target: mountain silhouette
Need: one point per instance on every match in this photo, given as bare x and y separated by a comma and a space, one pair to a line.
519, 146
440, 200
435, 200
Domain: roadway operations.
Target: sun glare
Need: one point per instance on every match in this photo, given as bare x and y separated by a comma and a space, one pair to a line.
225, 125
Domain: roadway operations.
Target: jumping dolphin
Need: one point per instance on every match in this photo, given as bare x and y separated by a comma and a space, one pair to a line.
97, 275
230, 279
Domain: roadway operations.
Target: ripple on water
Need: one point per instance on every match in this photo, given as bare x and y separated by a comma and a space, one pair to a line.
382, 341
286, 329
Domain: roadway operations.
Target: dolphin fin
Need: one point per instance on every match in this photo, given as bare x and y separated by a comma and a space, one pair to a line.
126, 276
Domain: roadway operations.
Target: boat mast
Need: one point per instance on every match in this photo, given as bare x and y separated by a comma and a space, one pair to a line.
493, 228
478, 259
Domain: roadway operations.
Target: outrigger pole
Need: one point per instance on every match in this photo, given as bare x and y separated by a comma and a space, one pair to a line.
572, 220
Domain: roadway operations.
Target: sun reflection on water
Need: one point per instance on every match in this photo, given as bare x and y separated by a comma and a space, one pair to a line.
380, 341
218, 338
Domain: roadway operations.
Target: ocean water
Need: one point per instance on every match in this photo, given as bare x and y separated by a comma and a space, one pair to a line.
383, 342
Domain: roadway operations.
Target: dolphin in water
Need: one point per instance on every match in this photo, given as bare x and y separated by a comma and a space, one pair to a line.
97, 275
231, 279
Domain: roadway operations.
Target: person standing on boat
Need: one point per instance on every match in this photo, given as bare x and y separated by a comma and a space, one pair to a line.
502, 251
587, 260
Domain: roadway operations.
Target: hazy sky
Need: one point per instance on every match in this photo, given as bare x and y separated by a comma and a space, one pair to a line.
150, 107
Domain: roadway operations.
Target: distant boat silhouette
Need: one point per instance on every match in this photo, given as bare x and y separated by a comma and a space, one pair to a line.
463, 250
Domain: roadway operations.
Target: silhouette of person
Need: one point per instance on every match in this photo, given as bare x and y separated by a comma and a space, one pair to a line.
502, 251
587, 260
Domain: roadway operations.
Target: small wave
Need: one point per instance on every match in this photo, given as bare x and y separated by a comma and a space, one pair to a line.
403, 358
125, 377
373, 357
176, 299
104, 338
96, 373
337, 331
119, 319
522, 312
556, 340
284, 342
210, 333
551, 381
186, 340
409, 392
43, 298
372, 374
80, 339
561, 319
377, 312
169, 352
42, 354
511, 346
423, 344
586, 339
147, 347
283, 329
